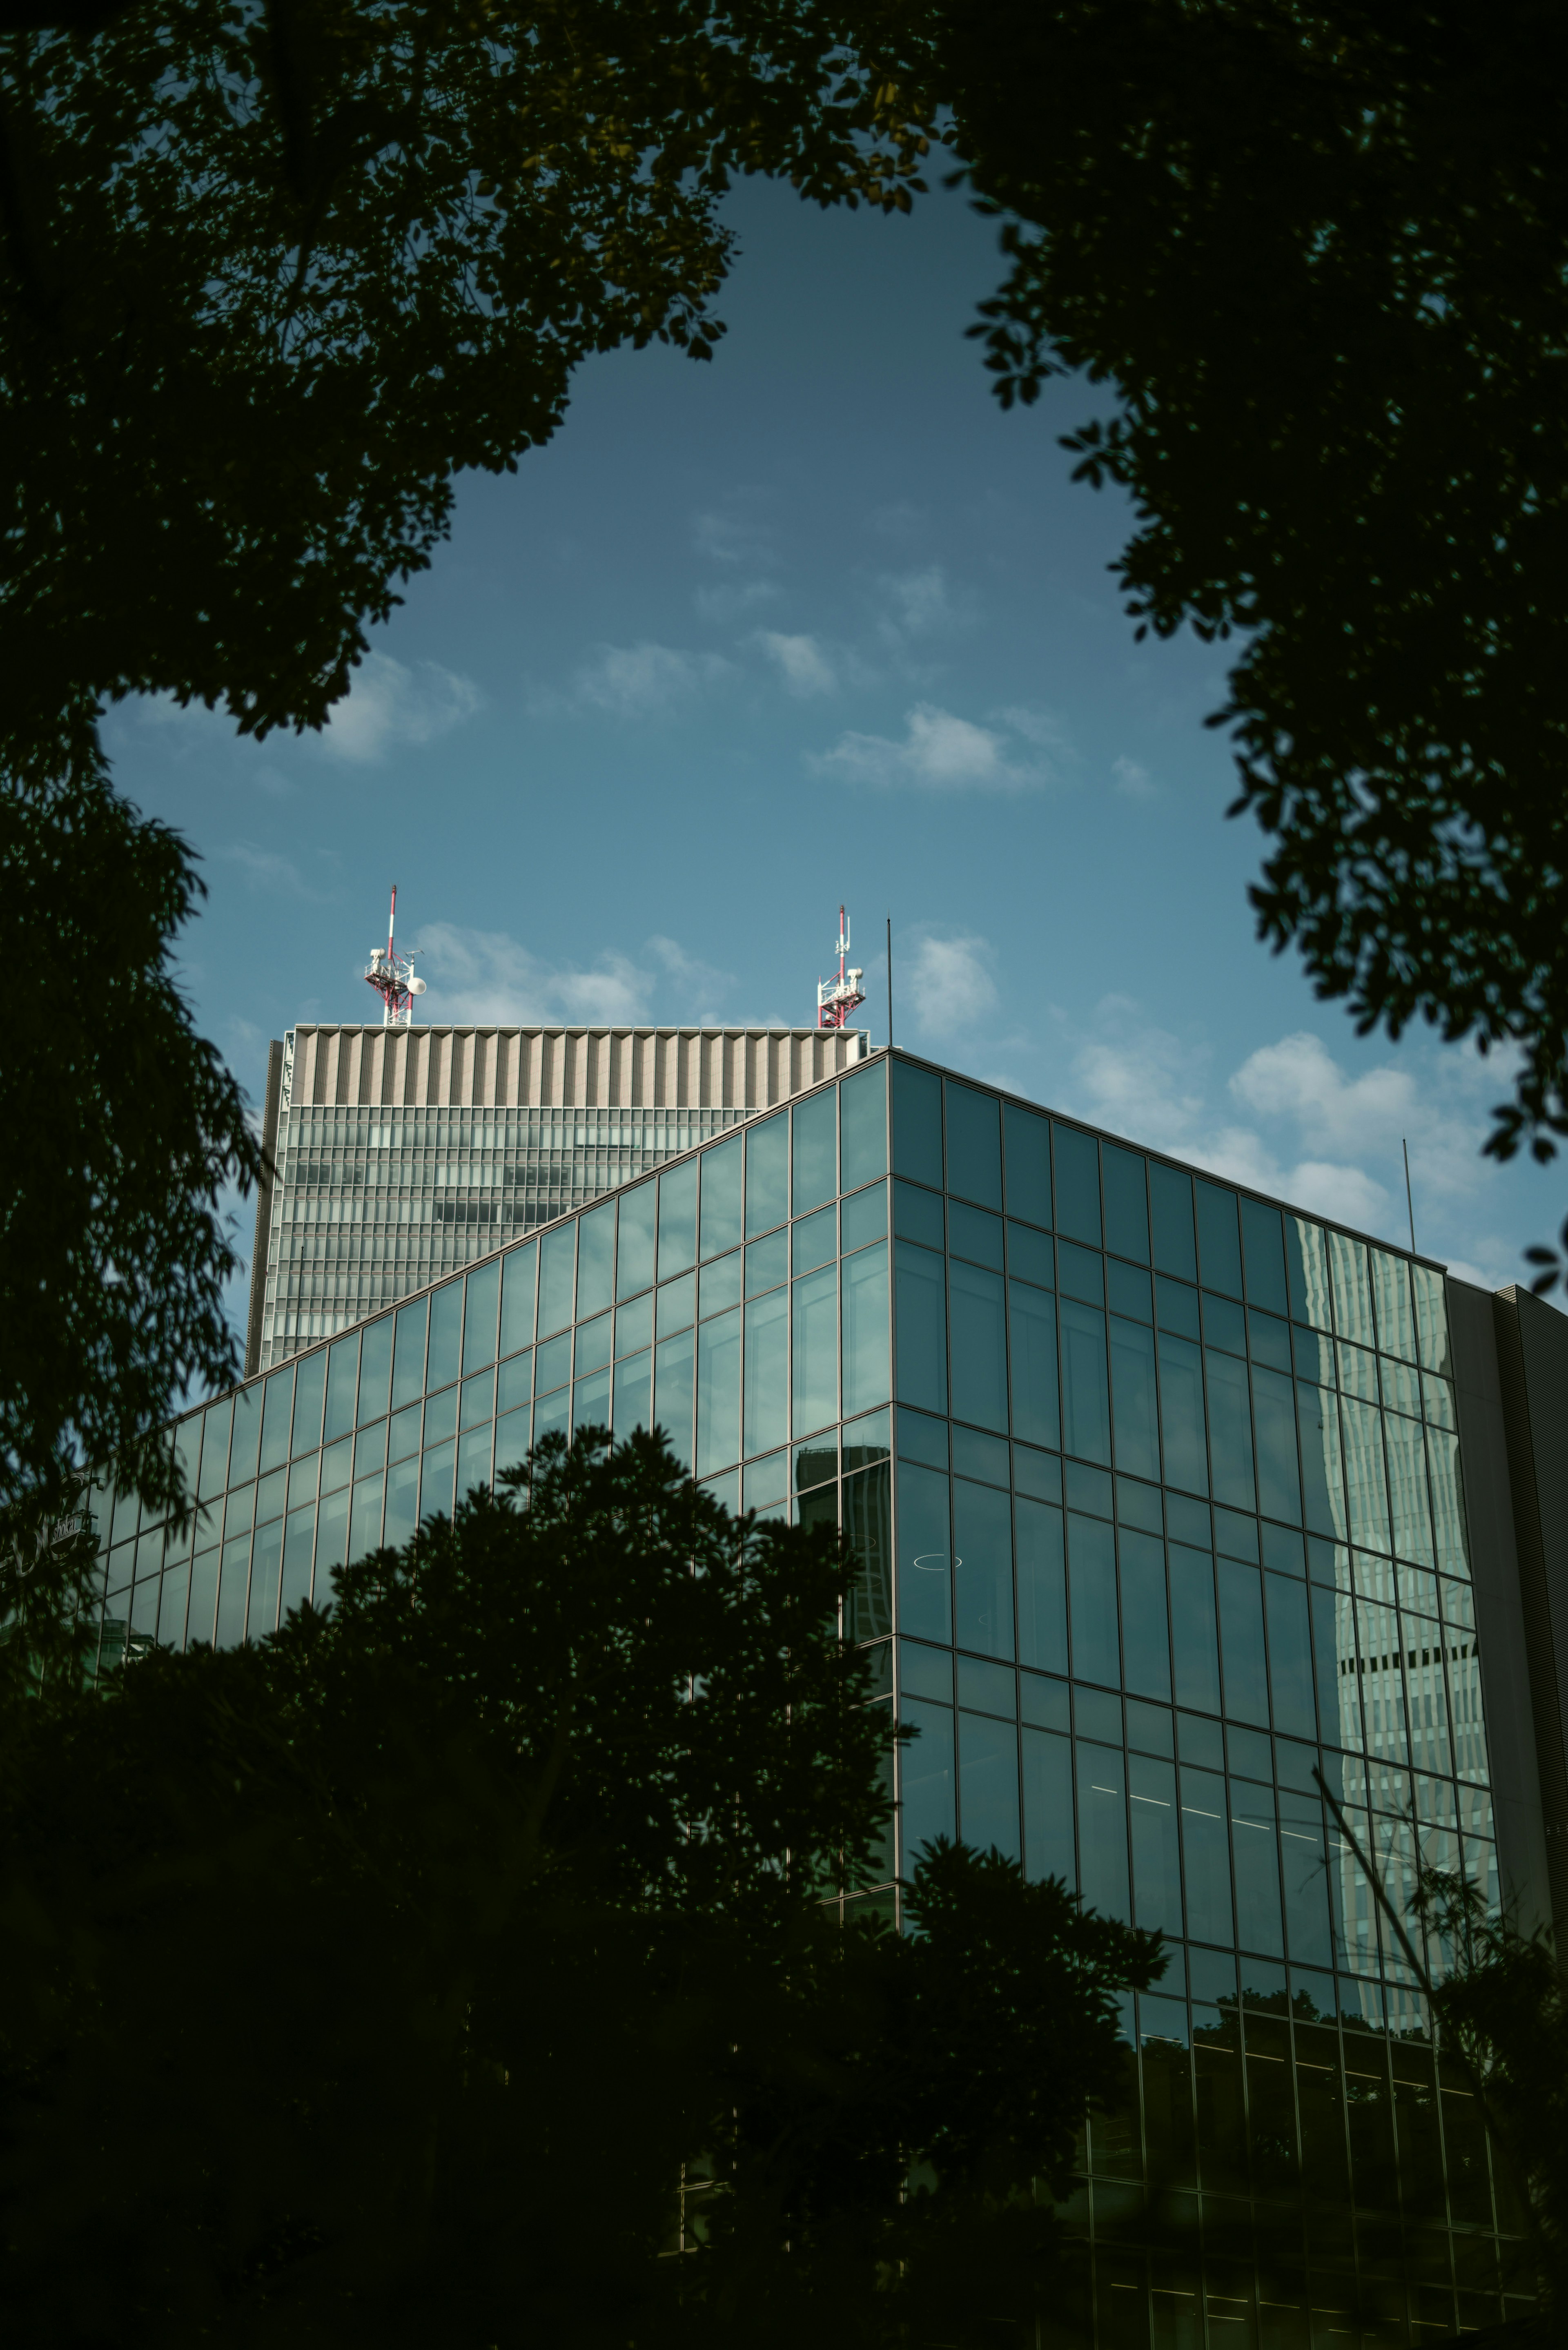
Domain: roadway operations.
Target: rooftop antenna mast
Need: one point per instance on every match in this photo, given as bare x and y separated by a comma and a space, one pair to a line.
836, 998
393, 976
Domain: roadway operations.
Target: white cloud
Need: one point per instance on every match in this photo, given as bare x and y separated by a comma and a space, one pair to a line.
733, 535
391, 705
487, 976
948, 982
800, 660
923, 604
939, 753
730, 599
1133, 781
265, 868
639, 680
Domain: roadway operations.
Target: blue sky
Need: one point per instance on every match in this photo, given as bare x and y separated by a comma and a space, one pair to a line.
817, 622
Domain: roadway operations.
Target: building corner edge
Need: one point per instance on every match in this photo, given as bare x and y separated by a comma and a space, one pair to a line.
263, 1206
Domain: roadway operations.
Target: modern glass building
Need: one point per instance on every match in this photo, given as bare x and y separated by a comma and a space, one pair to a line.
1165, 1498
400, 1152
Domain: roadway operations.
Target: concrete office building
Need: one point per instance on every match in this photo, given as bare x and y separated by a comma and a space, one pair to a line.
400, 1151
1164, 1497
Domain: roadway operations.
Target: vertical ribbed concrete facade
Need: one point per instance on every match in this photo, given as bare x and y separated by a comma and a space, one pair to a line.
400, 1151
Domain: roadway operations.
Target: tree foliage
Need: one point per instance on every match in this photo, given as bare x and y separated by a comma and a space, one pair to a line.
123, 1128
1322, 255
1502, 2002
457, 1966
273, 274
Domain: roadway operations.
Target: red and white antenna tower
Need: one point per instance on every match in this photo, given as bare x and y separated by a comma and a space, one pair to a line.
393, 976
836, 998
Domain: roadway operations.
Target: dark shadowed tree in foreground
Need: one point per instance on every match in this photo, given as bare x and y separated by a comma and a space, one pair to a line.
462, 1966
1320, 254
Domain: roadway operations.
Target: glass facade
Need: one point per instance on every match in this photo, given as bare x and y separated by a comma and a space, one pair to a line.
370, 1204
1155, 1495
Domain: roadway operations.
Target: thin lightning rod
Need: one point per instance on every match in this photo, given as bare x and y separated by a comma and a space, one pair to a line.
1410, 1195
889, 983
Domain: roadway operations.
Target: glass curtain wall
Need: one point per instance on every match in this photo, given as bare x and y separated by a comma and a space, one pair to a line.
1155, 1496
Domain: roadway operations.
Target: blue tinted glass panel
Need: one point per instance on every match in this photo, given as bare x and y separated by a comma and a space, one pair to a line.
375, 1369
1048, 1808
298, 1554
278, 1414
1127, 1204
864, 1309
234, 1591
1263, 1234
267, 1577
1028, 1141
1133, 1391
1275, 1413
1042, 1587
869, 1529
1086, 1393
1241, 1642
767, 1372
1156, 1846
1229, 1431
1103, 1830
988, 1784
816, 1151
403, 1503
1031, 1257
862, 1129
245, 1450
926, 1780
519, 1273
921, 1326
634, 1243
1306, 1869
925, 1605
917, 1124
310, 1395
813, 1240
972, 1232
1290, 1656
409, 1353
1219, 1239
974, 1145
481, 1304
768, 1173
1195, 1639
1092, 1591
978, 1346
677, 1220
513, 1435
918, 1216
1146, 1641
674, 1369
719, 1392
1255, 1851
596, 1262
631, 1394
204, 1597
864, 1218
365, 1521
446, 1331
1078, 1185
331, 1543
634, 1325
723, 1187
1181, 1415
1206, 1856
1031, 1327
813, 1382
590, 1403
552, 1366
1170, 1206
557, 1278
983, 1569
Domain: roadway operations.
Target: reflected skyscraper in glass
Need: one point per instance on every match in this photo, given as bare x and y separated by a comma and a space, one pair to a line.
1169, 1505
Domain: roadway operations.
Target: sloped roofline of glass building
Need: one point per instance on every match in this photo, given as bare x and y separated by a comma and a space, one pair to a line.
880, 1053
